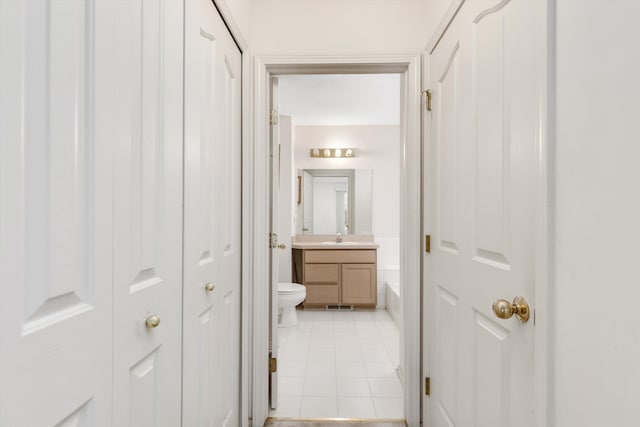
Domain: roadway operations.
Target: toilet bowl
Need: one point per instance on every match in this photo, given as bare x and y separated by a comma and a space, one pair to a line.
289, 295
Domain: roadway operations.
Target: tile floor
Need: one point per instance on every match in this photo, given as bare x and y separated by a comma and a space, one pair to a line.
339, 365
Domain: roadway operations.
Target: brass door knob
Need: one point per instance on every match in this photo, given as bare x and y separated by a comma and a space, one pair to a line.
505, 309
152, 321
282, 246
209, 287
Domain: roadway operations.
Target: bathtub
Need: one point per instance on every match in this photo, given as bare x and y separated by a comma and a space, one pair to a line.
392, 300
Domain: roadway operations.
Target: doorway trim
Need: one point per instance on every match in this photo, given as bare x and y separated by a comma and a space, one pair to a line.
410, 210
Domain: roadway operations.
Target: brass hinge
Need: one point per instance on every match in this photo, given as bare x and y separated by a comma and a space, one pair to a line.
427, 386
273, 118
427, 243
273, 364
428, 103
273, 240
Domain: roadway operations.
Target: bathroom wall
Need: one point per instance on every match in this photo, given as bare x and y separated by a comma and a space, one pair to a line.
377, 148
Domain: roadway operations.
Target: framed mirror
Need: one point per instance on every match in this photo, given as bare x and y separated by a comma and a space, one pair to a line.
332, 201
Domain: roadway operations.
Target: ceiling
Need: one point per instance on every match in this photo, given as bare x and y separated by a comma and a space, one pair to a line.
340, 99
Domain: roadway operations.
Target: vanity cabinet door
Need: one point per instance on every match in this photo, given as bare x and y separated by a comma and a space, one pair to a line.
359, 284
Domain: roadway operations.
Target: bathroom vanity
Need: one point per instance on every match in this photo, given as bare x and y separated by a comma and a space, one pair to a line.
336, 274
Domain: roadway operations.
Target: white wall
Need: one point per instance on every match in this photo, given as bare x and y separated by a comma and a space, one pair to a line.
338, 26
595, 280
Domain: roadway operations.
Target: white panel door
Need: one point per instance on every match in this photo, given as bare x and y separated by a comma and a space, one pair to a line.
55, 213
274, 153
212, 218
287, 197
148, 214
482, 189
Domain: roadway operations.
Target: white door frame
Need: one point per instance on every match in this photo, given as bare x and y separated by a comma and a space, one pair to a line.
410, 210
544, 197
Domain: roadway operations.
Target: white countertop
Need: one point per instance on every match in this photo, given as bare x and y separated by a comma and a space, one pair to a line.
328, 242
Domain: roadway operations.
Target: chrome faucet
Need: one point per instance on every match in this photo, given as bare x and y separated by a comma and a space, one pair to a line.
339, 238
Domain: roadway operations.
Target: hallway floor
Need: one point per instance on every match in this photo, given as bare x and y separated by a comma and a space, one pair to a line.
332, 423
339, 365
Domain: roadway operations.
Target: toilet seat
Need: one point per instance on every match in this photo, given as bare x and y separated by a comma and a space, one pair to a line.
290, 288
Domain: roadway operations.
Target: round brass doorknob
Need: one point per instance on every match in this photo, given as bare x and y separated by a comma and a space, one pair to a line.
505, 309
282, 246
209, 287
152, 321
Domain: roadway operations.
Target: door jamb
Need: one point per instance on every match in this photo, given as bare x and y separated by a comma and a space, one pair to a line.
410, 210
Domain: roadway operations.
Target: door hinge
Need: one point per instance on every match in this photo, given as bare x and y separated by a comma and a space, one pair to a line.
273, 117
428, 100
427, 386
273, 364
273, 240
427, 243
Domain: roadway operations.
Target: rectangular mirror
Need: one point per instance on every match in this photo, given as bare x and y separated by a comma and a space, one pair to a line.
332, 201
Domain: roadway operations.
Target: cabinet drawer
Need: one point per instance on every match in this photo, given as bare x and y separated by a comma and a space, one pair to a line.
341, 255
321, 294
321, 273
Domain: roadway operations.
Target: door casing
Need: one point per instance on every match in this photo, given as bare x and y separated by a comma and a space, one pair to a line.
410, 210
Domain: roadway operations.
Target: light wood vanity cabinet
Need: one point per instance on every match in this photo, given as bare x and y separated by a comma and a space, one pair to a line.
337, 276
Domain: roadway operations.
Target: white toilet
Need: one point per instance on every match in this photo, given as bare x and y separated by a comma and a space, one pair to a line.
289, 295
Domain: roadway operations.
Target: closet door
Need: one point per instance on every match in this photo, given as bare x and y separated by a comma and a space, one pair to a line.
148, 214
211, 334
55, 213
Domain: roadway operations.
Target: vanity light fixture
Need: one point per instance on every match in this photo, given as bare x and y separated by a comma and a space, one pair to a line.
332, 152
